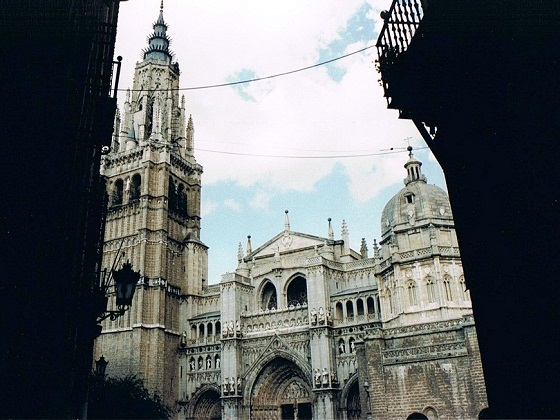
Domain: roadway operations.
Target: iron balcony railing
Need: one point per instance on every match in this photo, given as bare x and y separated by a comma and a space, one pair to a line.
400, 24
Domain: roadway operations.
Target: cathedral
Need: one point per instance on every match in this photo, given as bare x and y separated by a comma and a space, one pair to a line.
304, 327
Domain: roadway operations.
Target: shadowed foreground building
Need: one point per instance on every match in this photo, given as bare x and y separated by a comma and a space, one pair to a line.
305, 327
480, 81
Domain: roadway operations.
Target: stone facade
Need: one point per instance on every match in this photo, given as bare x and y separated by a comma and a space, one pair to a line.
305, 327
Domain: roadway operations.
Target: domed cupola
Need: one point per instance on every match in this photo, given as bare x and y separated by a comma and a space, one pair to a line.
418, 204
158, 41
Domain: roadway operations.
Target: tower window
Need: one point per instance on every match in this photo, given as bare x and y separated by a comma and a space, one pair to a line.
409, 198
430, 286
118, 193
447, 288
135, 187
412, 293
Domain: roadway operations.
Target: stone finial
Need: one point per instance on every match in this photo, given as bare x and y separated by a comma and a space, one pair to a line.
330, 230
375, 249
364, 249
286, 221
249, 248
190, 134
345, 236
239, 252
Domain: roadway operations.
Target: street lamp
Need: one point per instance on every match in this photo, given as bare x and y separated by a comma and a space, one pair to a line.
125, 286
101, 367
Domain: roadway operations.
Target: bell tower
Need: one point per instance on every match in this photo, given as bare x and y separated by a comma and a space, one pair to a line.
153, 220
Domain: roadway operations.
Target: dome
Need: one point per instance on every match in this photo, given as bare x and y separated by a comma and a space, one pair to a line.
417, 204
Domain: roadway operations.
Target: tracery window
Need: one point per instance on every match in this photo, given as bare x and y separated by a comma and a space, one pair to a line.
135, 186
118, 193
411, 286
269, 299
297, 291
463, 287
447, 289
430, 287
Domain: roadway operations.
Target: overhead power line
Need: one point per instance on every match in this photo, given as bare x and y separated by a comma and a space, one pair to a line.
306, 157
256, 79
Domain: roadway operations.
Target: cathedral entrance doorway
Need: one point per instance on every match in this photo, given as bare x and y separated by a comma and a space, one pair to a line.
206, 406
281, 391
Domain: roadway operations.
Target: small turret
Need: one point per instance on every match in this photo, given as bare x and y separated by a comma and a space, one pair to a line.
413, 168
364, 249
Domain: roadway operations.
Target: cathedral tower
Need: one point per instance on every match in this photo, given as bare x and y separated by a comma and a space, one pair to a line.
153, 220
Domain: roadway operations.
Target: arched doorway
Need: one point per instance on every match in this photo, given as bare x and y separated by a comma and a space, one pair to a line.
281, 391
206, 405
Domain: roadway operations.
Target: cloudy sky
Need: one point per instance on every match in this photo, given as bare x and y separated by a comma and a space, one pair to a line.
316, 142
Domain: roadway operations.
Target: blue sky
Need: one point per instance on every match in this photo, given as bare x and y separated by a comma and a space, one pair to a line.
289, 134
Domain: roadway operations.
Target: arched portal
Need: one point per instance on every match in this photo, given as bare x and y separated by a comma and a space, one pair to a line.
206, 405
281, 391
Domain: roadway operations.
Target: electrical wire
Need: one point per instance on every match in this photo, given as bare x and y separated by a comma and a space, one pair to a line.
256, 79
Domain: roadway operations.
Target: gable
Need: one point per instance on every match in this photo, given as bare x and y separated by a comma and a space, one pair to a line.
287, 241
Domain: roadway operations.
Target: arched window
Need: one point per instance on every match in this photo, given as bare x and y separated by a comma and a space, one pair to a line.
209, 329
431, 289
463, 287
172, 195
269, 299
218, 327
378, 303
447, 288
411, 286
370, 306
135, 187
339, 314
390, 301
118, 193
193, 332
360, 307
297, 291
201, 331
349, 309
181, 200
341, 346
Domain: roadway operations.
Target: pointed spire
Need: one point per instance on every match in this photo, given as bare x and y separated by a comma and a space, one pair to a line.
158, 41
249, 248
413, 168
239, 252
190, 134
286, 221
330, 230
345, 237
363, 249
375, 249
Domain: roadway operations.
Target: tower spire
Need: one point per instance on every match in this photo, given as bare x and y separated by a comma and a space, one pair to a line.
158, 41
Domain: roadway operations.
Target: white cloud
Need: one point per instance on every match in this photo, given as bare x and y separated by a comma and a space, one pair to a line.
207, 207
231, 204
260, 201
